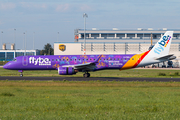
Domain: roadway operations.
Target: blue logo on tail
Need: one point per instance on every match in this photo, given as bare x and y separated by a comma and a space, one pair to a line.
163, 43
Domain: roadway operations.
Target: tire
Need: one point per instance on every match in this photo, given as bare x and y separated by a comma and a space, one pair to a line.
88, 74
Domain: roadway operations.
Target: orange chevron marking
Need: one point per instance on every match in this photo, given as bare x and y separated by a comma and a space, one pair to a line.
134, 61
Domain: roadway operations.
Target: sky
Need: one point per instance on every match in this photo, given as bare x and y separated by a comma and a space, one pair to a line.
42, 20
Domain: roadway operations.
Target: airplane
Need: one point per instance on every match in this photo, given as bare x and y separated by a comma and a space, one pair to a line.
71, 64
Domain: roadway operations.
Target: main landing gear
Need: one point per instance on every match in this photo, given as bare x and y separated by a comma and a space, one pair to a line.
163, 66
86, 75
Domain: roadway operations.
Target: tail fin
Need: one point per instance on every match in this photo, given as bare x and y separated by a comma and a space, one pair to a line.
158, 53
160, 50
163, 45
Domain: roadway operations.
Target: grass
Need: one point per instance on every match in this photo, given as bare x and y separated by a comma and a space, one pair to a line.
104, 73
3, 62
89, 100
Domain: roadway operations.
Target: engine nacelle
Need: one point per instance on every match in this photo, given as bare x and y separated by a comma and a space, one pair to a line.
66, 71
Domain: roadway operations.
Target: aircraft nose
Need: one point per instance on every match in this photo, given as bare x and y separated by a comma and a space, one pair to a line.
5, 66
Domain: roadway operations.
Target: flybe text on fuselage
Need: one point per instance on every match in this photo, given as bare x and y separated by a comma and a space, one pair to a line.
39, 61
163, 43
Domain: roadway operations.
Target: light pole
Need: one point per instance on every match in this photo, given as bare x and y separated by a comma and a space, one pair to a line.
33, 40
2, 39
58, 37
85, 16
14, 42
25, 43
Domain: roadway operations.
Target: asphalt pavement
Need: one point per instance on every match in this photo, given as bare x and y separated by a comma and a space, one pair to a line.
90, 79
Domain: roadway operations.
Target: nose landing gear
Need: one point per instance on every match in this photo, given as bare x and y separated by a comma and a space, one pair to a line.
21, 73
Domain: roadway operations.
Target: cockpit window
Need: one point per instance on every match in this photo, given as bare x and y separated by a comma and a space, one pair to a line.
14, 59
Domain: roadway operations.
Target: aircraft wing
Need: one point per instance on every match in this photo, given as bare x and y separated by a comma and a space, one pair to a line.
85, 67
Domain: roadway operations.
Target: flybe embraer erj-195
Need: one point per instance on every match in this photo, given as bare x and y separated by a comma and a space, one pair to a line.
71, 64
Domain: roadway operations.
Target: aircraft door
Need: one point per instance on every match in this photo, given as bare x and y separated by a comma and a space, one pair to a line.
25, 60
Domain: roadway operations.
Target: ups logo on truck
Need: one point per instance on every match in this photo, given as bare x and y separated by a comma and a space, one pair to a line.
62, 47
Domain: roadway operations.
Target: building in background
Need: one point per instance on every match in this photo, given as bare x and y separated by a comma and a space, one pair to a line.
115, 35
10, 54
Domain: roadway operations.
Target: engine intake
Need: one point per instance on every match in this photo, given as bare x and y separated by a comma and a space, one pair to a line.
66, 71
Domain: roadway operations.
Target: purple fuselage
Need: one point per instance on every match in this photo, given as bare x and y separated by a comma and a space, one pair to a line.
52, 62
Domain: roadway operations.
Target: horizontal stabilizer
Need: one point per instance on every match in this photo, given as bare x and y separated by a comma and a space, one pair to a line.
167, 57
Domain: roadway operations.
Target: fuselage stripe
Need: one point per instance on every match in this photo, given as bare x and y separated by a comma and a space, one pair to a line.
141, 58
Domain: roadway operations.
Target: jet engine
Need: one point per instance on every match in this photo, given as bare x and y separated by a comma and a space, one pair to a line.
66, 71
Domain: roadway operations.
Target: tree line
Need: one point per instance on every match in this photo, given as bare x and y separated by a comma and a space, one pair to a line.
48, 50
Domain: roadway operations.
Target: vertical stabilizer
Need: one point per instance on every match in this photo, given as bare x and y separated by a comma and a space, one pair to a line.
163, 45
160, 49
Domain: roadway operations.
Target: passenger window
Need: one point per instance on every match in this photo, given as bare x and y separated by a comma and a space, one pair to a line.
132, 58
121, 58
52, 59
67, 59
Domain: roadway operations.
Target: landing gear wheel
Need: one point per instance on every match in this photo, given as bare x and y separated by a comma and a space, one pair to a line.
86, 75
163, 66
21, 75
